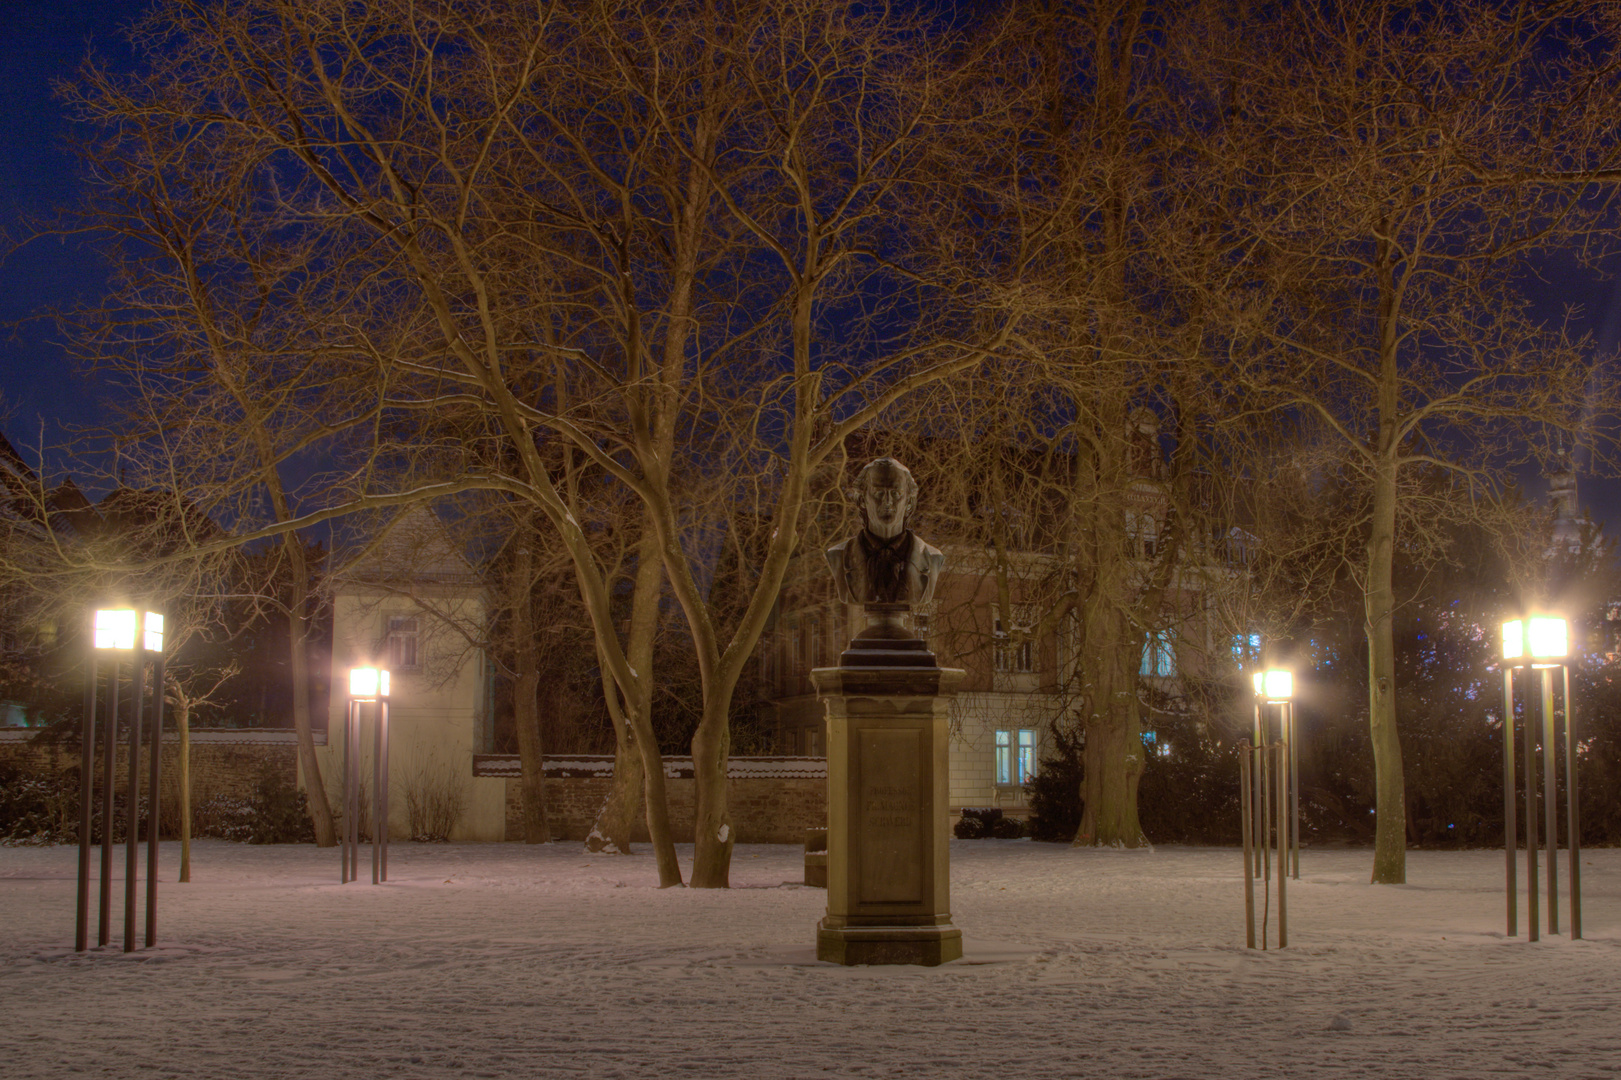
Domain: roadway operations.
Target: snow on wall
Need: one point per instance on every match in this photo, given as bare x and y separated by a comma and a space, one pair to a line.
675, 768
769, 804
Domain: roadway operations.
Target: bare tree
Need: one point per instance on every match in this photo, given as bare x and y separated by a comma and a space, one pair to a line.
645, 195
1375, 274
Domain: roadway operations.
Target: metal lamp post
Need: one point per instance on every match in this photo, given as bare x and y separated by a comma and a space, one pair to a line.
1540, 643
1275, 686
366, 684
117, 631
1266, 771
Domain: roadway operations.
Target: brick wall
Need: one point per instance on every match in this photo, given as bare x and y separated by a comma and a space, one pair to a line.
223, 762
773, 800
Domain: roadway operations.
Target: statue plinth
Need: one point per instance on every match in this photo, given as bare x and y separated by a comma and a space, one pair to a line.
888, 859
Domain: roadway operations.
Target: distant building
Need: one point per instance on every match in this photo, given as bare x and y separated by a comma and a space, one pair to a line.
1571, 528
413, 604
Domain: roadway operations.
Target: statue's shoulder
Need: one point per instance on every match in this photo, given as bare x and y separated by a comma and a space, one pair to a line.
924, 551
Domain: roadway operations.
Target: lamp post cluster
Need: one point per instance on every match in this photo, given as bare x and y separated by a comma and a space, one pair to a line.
1537, 645
1276, 687
1270, 800
367, 685
139, 635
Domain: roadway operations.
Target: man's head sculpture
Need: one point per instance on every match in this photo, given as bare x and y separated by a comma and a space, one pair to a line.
887, 495
885, 563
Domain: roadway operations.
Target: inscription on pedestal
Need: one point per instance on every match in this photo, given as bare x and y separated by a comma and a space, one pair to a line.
889, 830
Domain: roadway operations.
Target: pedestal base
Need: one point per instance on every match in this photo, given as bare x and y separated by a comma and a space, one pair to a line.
928, 946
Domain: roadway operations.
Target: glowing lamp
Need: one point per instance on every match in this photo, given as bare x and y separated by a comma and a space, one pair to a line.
1538, 638
368, 683
1275, 685
121, 628
115, 629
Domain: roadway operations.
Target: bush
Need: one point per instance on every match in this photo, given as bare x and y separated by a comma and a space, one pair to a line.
44, 808
1055, 791
224, 817
1189, 791
435, 800
278, 813
976, 822
281, 812
38, 809
1008, 828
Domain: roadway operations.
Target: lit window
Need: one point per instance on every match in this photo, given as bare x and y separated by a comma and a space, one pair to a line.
402, 642
1015, 755
1246, 648
1159, 654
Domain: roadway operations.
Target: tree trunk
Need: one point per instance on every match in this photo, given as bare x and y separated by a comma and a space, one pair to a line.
326, 833
638, 780
644, 621
616, 821
712, 815
182, 724
1113, 753
525, 707
1389, 843
1390, 803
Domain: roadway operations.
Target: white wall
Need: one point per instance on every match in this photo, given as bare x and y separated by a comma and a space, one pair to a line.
434, 710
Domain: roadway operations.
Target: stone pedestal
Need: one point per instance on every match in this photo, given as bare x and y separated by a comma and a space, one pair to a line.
888, 863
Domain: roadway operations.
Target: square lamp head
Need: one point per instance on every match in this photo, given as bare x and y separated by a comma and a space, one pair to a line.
1275, 684
1537, 638
121, 628
115, 628
368, 683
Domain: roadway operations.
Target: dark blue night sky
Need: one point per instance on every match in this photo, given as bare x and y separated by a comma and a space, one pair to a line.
44, 40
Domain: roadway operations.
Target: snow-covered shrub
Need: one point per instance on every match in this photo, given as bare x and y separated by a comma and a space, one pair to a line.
225, 817
988, 822
282, 814
1008, 828
38, 809
277, 813
976, 822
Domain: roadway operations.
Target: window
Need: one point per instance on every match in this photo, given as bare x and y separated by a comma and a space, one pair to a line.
818, 658
1015, 755
1237, 544
1014, 651
402, 642
920, 626
1150, 536
1159, 654
791, 670
1246, 648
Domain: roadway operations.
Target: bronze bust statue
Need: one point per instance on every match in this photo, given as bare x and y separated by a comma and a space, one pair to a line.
885, 563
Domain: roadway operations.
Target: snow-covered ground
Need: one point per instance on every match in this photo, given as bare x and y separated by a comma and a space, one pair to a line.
501, 960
